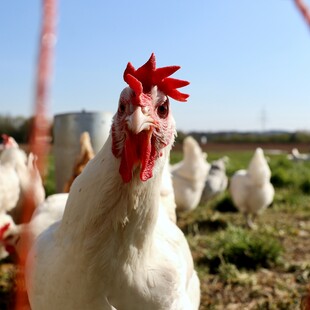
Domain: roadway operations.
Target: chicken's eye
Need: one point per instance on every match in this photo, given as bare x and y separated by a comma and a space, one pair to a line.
163, 110
121, 108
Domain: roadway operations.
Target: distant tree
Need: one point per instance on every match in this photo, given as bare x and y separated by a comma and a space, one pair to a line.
17, 127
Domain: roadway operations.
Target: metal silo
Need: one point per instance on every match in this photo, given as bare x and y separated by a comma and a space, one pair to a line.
67, 130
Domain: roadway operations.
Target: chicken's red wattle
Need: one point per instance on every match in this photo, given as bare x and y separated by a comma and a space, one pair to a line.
138, 150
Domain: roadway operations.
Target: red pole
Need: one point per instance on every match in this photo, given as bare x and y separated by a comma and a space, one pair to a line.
304, 10
40, 136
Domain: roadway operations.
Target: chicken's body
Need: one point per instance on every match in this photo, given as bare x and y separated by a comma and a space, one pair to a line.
189, 176
30, 181
9, 188
251, 189
115, 246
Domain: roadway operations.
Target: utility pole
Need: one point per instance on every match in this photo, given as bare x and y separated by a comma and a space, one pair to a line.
263, 119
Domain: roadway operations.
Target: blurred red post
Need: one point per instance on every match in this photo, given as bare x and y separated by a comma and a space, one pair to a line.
40, 135
304, 10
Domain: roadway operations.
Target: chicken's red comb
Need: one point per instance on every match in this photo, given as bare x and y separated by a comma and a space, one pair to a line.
3, 229
148, 76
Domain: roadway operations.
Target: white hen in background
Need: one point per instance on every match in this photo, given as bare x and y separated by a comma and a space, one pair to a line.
115, 245
9, 188
28, 175
297, 156
216, 181
189, 175
250, 189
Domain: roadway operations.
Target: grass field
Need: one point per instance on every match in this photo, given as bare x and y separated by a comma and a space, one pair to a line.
268, 268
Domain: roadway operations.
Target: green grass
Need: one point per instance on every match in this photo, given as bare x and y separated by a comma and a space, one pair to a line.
49, 181
242, 248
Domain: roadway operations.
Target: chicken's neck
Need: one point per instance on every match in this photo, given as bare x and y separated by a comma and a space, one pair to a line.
112, 215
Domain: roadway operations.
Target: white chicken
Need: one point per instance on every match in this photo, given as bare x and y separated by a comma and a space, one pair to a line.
9, 197
28, 175
116, 246
189, 175
297, 156
216, 181
9, 188
52, 208
250, 189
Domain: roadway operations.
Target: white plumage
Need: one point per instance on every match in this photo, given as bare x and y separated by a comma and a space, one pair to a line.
216, 181
9, 188
30, 181
250, 189
189, 175
47, 213
115, 245
297, 156
167, 192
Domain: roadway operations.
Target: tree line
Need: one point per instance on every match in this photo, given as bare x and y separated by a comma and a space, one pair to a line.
20, 127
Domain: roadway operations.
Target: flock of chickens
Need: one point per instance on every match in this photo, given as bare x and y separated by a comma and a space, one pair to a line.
111, 241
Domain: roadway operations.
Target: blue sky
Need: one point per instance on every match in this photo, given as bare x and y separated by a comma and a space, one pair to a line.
243, 58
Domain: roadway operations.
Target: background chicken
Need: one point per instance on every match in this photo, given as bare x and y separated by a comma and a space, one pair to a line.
115, 245
29, 178
9, 188
9, 197
52, 208
250, 189
85, 155
297, 156
216, 181
189, 175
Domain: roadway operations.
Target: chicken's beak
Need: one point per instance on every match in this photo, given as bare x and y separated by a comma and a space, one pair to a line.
140, 120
